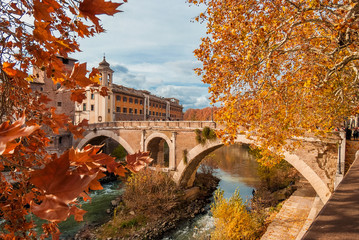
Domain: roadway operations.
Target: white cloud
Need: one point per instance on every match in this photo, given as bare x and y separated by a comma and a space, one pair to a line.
190, 97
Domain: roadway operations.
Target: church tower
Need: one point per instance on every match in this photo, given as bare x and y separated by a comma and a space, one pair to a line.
106, 73
105, 104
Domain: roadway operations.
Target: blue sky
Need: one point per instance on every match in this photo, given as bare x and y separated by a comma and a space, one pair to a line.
150, 46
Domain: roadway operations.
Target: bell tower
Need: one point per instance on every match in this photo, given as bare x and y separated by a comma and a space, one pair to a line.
104, 104
106, 73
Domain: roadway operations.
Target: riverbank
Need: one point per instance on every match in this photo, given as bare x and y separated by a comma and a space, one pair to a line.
296, 214
139, 224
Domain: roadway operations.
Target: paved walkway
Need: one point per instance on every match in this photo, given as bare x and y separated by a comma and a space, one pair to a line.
295, 216
339, 218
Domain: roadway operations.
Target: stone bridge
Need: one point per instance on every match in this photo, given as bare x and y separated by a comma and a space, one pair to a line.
173, 145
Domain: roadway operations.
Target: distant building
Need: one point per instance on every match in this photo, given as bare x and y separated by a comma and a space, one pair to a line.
122, 103
60, 97
125, 104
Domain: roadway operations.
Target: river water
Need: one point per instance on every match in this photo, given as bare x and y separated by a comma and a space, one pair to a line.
236, 168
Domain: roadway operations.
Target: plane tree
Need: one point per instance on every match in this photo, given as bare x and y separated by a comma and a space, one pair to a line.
280, 68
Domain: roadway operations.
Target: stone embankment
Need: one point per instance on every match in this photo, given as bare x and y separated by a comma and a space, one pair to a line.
296, 215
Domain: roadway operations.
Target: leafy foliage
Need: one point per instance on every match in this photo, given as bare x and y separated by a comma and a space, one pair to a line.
233, 220
205, 134
280, 69
34, 34
119, 152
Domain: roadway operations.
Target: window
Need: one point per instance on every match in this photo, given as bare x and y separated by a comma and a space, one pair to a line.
124, 99
130, 100
136, 101
59, 104
156, 113
92, 96
108, 97
84, 107
140, 111
118, 109
58, 85
60, 140
65, 61
135, 111
124, 110
108, 110
156, 105
118, 98
92, 107
149, 113
141, 102
41, 89
130, 110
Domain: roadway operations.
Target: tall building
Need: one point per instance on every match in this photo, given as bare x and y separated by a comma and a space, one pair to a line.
125, 104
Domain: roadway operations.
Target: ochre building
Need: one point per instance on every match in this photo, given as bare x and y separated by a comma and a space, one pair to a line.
125, 104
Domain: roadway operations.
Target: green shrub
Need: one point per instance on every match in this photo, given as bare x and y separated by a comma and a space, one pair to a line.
119, 153
205, 132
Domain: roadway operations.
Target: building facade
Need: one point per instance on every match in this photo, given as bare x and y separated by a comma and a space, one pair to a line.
124, 104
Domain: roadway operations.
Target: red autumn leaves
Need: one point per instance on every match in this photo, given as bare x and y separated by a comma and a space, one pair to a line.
50, 184
65, 178
91, 8
72, 175
8, 133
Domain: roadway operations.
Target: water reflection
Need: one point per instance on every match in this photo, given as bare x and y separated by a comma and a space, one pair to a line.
235, 160
237, 169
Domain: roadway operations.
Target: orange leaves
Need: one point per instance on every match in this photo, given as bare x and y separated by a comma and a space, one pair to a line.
8, 68
77, 130
78, 95
42, 31
37, 44
137, 161
43, 9
9, 132
91, 8
60, 186
78, 75
66, 178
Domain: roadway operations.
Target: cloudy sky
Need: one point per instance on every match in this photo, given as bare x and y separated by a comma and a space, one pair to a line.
150, 46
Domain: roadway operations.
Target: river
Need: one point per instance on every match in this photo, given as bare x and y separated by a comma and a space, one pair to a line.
233, 164
237, 169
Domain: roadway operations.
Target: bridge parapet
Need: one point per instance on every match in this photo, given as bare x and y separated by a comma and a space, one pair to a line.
153, 124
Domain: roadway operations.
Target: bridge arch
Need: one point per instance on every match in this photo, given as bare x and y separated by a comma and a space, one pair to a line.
186, 172
105, 133
156, 144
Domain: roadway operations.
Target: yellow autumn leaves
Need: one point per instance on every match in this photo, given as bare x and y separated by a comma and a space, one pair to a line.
280, 69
